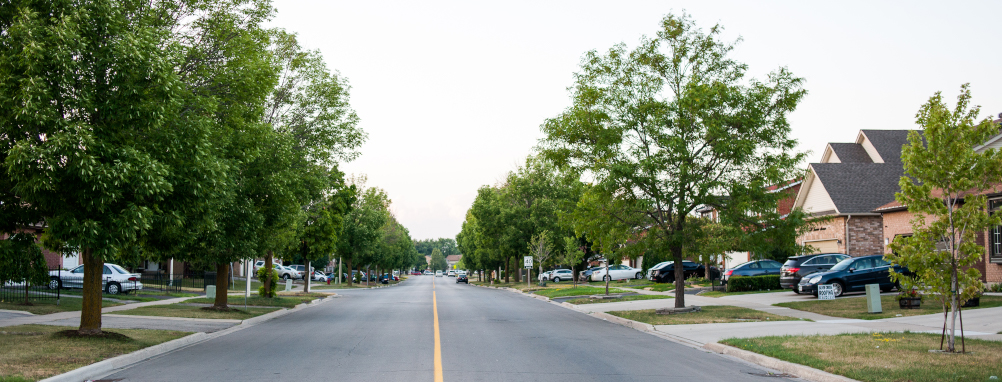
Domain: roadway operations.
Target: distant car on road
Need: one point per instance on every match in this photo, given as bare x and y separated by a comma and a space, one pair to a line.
427, 272
852, 275
557, 275
114, 279
438, 273
617, 272
796, 267
452, 273
462, 279
415, 273
753, 268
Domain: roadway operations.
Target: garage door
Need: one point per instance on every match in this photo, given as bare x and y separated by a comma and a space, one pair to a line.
824, 246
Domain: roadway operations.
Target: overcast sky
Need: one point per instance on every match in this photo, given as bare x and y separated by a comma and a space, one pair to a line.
452, 93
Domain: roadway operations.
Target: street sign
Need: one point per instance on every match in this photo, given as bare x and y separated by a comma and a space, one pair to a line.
528, 261
826, 292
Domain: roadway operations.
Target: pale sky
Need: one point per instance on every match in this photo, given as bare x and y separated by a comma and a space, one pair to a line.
452, 93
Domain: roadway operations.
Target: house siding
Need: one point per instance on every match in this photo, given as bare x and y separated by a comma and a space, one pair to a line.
865, 236
895, 223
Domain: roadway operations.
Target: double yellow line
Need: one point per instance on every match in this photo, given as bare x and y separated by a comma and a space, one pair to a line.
438, 339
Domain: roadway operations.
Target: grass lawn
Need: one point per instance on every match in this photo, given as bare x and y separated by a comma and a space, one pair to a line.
855, 307
32, 352
709, 315
624, 298
122, 296
174, 310
716, 293
282, 301
575, 291
882, 357
49, 306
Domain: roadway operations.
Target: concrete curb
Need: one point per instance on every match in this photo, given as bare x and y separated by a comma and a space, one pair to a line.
105, 367
801, 371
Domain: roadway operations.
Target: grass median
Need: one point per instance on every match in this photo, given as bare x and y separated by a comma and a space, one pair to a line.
237, 312
34, 352
575, 291
708, 315
624, 298
855, 307
882, 357
67, 304
281, 301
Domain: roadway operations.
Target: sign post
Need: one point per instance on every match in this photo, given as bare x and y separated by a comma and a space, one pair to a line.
528, 267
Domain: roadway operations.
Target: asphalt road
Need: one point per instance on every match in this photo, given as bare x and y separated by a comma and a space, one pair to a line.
486, 335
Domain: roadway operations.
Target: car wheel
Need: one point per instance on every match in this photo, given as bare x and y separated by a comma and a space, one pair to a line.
795, 290
285, 277
839, 288
556, 279
114, 288
55, 283
639, 276
606, 278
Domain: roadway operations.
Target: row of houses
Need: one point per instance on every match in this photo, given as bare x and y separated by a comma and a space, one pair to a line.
853, 189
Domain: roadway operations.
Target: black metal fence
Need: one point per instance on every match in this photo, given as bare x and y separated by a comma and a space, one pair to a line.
18, 291
194, 282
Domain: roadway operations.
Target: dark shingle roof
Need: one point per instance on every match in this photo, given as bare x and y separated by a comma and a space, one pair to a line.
888, 143
850, 153
859, 187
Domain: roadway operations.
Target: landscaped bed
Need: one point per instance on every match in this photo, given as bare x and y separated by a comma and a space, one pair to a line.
34, 352
66, 304
708, 315
623, 298
882, 357
237, 312
855, 307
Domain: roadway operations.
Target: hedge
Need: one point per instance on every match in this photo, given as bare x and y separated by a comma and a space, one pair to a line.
751, 283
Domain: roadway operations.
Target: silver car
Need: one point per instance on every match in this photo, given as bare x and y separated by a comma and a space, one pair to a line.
561, 274
114, 279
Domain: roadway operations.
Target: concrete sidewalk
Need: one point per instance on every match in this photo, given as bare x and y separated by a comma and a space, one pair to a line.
73, 318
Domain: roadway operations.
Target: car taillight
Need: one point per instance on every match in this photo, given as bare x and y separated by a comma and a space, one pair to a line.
792, 270
133, 279
729, 272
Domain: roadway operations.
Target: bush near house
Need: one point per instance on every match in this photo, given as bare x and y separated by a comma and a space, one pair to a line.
750, 283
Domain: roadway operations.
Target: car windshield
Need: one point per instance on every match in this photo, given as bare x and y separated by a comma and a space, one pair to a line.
843, 265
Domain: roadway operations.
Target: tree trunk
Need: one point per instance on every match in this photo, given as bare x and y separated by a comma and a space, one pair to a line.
269, 265
222, 285
507, 274
679, 276
951, 341
706, 269
351, 277
607, 277
90, 313
308, 278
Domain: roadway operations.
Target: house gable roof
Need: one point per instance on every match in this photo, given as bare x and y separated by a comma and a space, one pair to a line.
887, 143
850, 153
858, 188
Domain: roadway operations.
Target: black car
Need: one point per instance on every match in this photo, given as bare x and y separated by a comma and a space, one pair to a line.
797, 267
753, 268
461, 278
665, 272
586, 275
852, 275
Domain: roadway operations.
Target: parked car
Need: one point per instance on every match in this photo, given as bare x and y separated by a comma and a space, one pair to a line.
544, 276
462, 279
299, 269
427, 272
852, 275
753, 268
114, 279
319, 276
557, 275
665, 272
617, 272
796, 267
333, 276
438, 273
650, 271
286, 273
586, 275
415, 273
452, 273
385, 278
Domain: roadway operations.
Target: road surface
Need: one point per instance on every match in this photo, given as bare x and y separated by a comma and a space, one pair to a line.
485, 335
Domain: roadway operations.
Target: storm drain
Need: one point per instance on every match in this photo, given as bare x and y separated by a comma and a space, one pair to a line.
767, 374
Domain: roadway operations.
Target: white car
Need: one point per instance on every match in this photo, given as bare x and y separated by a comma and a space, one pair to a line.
617, 272
558, 275
452, 273
544, 276
319, 276
438, 273
115, 279
427, 273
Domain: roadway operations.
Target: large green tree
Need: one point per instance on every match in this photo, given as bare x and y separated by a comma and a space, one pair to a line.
362, 231
438, 262
672, 125
943, 186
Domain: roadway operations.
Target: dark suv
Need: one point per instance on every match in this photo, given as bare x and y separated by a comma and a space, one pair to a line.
797, 267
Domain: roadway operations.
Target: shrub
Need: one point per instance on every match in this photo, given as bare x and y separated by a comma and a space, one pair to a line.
751, 283
273, 280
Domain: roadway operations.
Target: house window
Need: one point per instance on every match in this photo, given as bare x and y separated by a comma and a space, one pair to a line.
995, 235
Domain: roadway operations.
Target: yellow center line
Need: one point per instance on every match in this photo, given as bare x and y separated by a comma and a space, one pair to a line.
438, 340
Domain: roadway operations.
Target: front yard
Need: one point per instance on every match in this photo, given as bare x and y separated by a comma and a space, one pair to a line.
49, 306
882, 357
34, 352
708, 315
187, 311
855, 307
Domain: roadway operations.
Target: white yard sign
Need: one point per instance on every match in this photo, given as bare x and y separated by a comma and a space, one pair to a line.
528, 261
826, 292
